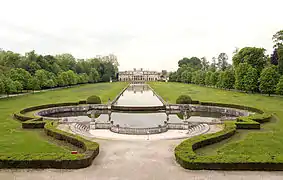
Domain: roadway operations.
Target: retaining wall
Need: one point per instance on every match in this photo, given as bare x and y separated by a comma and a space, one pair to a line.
139, 131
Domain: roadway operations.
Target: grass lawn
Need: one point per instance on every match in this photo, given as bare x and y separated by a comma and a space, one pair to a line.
13, 139
255, 145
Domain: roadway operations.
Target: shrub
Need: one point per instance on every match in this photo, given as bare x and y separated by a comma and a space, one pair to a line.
184, 99
93, 100
279, 87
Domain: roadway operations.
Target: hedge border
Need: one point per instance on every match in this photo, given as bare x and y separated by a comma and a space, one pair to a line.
54, 160
29, 122
51, 160
188, 159
244, 122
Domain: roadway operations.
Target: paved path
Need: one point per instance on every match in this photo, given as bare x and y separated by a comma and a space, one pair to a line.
135, 160
3, 96
128, 160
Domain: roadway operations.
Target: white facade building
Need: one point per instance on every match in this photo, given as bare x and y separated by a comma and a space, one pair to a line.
139, 76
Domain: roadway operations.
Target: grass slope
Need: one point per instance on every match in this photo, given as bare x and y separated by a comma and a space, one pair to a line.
255, 145
13, 139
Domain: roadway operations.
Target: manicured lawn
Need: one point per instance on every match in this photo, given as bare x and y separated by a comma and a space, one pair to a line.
254, 145
13, 139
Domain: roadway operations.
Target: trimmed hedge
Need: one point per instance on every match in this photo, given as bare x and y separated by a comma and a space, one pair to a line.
93, 100
252, 121
184, 99
252, 109
45, 106
188, 159
54, 160
34, 123
184, 152
38, 123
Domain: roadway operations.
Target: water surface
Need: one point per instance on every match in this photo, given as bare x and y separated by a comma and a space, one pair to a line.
138, 95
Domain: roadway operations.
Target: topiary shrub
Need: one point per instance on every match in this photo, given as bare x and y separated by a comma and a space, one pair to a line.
184, 99
93, 100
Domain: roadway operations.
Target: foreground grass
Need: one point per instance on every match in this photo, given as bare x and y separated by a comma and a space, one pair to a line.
266, 142
13, 139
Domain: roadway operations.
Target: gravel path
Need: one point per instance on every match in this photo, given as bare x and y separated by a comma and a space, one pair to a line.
130, 160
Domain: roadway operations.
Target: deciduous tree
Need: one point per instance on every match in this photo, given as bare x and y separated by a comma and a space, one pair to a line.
269, 78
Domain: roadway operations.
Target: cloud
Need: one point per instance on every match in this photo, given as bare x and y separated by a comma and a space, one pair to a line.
149, 34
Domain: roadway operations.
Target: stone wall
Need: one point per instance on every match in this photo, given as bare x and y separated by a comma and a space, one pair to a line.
139, 131
81, 108
102, 125
222, 110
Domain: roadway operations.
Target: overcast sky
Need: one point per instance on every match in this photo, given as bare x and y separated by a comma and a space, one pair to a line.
152, 34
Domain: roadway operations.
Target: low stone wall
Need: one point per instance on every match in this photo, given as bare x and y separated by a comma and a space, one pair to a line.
178, 126
173, 108
138, 131
82, 108
141, 108
222, 110
103, 125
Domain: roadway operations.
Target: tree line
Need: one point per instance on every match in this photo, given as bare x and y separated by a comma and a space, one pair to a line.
252, 70
33, 71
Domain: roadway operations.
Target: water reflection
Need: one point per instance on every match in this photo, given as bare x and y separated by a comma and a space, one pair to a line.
138, 95
140, 119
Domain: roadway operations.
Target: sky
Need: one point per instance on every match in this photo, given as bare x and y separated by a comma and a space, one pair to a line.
148, 34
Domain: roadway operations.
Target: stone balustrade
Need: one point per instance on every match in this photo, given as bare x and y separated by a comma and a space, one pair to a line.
139, 131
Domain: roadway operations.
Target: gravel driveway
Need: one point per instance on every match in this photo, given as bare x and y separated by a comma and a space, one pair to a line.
130, 160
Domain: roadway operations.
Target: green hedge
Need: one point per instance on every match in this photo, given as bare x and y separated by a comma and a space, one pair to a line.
187, 158
31, 122
252, 121
93, 100
54, 160
184, 99
37, 123
247, 108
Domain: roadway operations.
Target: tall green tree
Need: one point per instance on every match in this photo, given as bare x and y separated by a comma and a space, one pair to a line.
21, 75
279, 86
2, 86
204, 64
193, 62
278, 39
222, 61
34, 84
93, 75
186, 76
251, 55
213, 65
42, 77
173, 76
9, 86
220, 82
269, 78
280, 59
228, 79
207, 78
214, 78
240, 76
251, 80
9, 59
66, 61
19, 86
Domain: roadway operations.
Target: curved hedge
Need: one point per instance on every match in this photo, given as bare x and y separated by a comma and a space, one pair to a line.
54, 160
29, 122
187, 158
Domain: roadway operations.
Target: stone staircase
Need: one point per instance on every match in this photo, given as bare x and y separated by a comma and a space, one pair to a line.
198, 129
